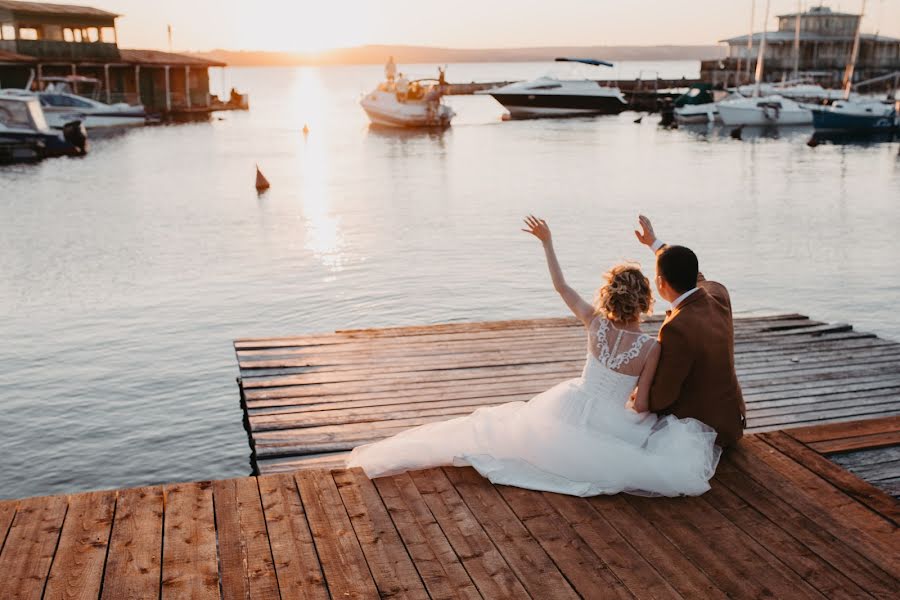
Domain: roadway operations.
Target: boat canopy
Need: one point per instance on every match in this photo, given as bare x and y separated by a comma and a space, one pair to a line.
587, 61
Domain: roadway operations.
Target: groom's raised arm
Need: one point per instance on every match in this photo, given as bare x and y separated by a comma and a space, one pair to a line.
675, 362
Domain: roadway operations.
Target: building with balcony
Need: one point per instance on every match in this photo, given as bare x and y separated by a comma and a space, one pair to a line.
825, 44
39, 40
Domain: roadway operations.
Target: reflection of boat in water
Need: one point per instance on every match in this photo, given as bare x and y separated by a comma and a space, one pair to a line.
25, 135
551, 97
856, 115
420, 106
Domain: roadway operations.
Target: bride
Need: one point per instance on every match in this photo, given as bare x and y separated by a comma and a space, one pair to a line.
585, 436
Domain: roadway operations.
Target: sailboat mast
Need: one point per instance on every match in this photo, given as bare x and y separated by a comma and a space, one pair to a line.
797, 39
750, 38
854, 54
761, 59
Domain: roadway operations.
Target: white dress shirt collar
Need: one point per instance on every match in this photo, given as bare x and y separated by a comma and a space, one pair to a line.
682, 297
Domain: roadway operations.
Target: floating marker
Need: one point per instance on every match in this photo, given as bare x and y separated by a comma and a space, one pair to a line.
813, 141
737, 131
305, 129
262, 183
639, 119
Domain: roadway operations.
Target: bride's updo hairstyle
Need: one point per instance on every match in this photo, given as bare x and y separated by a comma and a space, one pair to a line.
625, 296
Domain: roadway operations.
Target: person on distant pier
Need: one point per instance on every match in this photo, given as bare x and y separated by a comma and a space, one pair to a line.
390, 70
595, 434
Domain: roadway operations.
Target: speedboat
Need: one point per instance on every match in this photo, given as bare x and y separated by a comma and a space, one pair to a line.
25, 135
421, 106
551, 97
763, 111
856, 115
63, 104
698, 105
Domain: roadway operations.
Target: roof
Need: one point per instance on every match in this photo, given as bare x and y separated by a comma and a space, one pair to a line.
788, 36
158, 57
12, 57
42, 8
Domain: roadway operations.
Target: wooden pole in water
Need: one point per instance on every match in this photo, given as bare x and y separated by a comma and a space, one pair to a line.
262, 183
761, 59
750, 39
854, 54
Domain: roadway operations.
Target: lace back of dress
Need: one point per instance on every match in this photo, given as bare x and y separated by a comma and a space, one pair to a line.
617, 349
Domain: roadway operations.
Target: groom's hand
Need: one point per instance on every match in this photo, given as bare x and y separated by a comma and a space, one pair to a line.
646, 235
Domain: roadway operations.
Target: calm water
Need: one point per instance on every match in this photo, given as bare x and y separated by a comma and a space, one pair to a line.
125, 276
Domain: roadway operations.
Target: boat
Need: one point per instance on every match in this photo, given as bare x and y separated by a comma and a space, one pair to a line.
421, 106
63, 104
763, 111
551, 97
25, 134
698, 106
859, 114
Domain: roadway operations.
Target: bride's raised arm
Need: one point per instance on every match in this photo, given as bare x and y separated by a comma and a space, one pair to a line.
579, 307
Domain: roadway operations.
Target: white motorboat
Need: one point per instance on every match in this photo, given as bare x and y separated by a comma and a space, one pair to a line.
420, 106
25, 135
763, 111
698, 105
551, 97
63, 104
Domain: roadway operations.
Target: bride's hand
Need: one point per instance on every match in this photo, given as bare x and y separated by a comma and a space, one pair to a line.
646, 235
538, 228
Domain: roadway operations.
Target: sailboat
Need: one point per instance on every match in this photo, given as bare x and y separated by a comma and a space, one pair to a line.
771, 110
856, 114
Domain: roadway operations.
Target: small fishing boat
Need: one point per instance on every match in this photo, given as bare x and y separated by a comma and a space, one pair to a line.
419, 106
551, 97
25, 135
858, 114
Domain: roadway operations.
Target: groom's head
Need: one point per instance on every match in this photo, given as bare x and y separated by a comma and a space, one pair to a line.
676, 271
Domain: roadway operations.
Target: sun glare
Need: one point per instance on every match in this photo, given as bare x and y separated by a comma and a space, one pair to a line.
311, 28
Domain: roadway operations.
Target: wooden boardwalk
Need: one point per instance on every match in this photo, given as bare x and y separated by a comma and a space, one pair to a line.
307, 400
781, 521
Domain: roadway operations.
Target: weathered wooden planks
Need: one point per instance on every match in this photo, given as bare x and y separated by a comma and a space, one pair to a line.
780, 521
327, 393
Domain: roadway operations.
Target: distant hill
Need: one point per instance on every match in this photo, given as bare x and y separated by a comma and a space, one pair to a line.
377, 54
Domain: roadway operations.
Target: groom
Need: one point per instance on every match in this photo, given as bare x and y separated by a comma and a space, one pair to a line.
695, 377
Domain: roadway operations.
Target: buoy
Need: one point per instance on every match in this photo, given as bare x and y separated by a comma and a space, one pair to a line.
813, 141
639, 119
305, 129
262, 183
736, 132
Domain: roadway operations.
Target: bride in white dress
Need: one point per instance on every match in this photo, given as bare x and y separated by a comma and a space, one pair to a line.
585, 436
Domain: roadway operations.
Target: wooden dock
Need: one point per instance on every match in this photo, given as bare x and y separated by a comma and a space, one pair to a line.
781, 521
307, 400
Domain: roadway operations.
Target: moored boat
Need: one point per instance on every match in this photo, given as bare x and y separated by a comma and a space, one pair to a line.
25, 135
763, 111
63, 102
551, 97
856, 115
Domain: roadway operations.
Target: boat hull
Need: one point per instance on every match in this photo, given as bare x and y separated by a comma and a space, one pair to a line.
545, 105
753, 116
696, 114
97, 120
826, 120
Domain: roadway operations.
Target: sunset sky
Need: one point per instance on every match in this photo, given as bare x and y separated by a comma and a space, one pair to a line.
308, 26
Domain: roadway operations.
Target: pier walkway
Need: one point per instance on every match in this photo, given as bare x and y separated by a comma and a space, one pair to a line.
308, 400
781, 521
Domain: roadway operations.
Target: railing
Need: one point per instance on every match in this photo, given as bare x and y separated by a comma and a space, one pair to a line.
67, 50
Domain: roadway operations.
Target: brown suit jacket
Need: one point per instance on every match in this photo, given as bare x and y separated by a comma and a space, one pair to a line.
695, 377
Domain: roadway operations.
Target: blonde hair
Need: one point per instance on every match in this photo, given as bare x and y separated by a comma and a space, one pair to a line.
625, 296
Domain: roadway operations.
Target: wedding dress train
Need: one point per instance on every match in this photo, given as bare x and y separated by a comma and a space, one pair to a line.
576, 438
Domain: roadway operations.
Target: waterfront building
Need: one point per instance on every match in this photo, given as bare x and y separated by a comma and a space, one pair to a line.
39, 40
825, 44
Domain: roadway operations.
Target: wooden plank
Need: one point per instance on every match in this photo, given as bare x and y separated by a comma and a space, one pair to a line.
7, 514
845, 430
528, 560
390, 564
440, 568
851, 485
296, 562
855, 525
30, 546
810, 533
135, 546
820, 574
649, 542
77, 570
343, 562
247, 570
583, 556
863, 442
483, 562
190, 568
731, 558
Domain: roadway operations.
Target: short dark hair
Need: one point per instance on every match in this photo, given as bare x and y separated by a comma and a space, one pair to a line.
678, 266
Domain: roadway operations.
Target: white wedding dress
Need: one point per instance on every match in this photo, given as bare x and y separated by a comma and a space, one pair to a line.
576, 438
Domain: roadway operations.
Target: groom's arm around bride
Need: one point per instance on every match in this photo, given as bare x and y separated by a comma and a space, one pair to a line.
696, 376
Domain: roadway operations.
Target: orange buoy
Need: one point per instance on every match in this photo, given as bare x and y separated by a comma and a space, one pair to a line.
262, 183
305, 129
